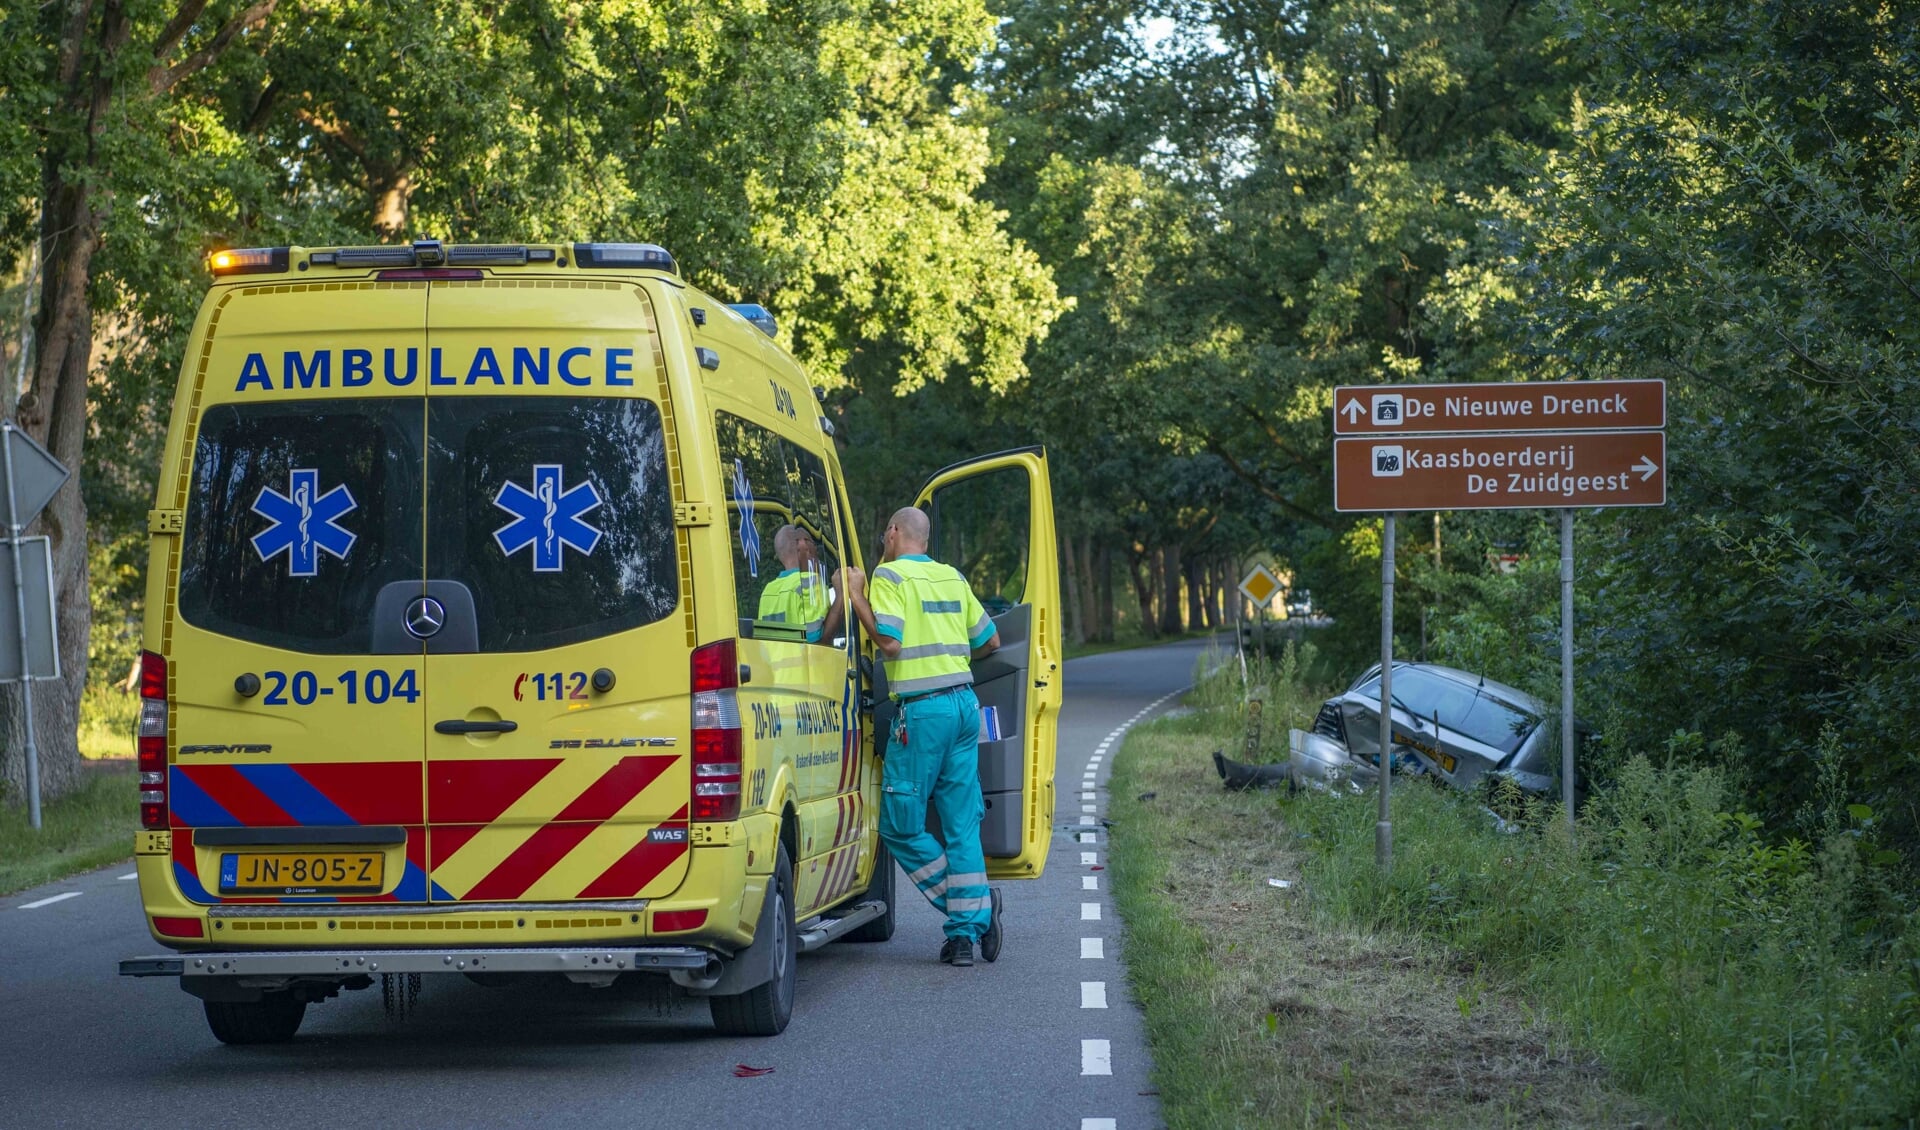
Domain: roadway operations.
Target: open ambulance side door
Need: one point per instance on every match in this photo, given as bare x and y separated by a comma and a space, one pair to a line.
992, 519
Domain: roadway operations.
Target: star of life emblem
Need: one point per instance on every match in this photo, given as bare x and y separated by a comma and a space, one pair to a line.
548, 517
749, 533
304, 522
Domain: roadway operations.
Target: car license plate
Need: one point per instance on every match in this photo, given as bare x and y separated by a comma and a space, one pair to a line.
303, 873
1445, 759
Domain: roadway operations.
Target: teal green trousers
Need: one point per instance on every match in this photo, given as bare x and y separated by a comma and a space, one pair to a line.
939, 762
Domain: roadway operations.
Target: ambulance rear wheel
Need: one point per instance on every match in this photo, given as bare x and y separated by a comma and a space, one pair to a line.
881, 888
765, 1009
273, 1019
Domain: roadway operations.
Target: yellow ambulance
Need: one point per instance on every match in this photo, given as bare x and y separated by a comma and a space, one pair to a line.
457, 659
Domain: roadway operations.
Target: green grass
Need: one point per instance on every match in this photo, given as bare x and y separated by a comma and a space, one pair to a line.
87, 828
1676, 950
107, 719
1263, 1012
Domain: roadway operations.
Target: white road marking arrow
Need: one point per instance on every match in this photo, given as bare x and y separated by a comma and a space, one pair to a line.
1647, 468
1354, 411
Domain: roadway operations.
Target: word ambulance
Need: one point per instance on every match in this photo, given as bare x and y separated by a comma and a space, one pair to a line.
581, 366
463, 652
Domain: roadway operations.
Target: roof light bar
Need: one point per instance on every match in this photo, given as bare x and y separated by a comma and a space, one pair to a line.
249, 261
497, 255
647, 256
374, 257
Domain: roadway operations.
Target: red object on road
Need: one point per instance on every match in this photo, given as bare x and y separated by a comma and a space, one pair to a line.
742, 1071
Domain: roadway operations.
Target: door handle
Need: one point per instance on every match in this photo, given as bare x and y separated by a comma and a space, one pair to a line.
462, 726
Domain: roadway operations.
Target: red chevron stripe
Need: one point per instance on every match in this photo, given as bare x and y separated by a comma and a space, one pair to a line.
372, 792
840, 825
642, 864
239, 796
532, 859
446, 839
477, 792
617, 786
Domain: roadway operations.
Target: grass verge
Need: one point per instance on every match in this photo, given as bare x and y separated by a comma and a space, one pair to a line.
89, 827
1262, 1012
1722, 976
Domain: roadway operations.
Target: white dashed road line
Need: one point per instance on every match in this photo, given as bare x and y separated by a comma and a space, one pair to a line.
1096, 1056
130, 875
51, 900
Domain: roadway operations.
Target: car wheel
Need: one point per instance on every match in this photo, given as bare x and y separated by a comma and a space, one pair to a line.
273, 1019
765, 1009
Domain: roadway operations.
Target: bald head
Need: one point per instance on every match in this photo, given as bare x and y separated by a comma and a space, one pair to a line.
793, 545
907, 531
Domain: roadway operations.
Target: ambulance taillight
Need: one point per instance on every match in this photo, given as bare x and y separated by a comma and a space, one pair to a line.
151, 742
716, 732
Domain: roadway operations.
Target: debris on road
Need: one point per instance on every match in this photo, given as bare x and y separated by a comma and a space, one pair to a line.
742, 1071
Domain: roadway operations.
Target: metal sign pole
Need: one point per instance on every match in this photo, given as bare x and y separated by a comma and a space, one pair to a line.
1566, 665
1383, 831
20, 610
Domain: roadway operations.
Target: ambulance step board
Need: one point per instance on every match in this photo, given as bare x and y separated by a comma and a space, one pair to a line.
819, 931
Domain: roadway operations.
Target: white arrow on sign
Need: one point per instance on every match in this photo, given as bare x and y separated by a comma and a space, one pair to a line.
1354, 411
1647, 468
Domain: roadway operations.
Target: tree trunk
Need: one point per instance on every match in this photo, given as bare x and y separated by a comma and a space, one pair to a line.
1140, 572
53, 408
1103, 576
1075, 612
1195, 569
1089, 589
1170, 618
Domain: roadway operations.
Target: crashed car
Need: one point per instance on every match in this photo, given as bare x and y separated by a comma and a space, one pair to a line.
1463, 729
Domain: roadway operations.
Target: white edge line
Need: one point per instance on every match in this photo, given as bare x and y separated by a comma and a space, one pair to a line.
50, 901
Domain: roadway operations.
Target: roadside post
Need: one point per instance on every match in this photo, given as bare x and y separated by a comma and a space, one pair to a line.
1383, 828
32, 477
1530, 446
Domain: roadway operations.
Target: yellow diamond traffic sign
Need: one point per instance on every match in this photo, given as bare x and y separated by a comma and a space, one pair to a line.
1260, 585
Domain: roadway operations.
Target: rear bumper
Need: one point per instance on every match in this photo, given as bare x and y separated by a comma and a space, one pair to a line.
724, 878
341, 964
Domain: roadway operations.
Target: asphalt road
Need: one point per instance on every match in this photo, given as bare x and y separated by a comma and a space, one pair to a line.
1047, 1037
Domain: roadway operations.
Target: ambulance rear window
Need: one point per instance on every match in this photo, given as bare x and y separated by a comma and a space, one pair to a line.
556, 512
298, 514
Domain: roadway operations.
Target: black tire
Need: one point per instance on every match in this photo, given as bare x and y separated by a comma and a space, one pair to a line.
880, 887
765, 1009
273, 1019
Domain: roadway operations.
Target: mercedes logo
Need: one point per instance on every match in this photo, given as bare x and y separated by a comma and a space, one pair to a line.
425, 617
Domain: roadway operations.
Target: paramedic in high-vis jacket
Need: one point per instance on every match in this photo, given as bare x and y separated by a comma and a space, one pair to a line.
928, 625
799, 596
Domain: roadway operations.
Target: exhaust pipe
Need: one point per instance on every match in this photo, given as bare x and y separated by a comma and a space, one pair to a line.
705, 979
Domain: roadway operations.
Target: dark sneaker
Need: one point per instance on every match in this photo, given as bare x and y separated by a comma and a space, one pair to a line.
946, 950
962, 952
990, 941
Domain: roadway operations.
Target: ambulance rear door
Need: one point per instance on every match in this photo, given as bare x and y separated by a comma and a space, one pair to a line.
992, 519
295, 710
557, 610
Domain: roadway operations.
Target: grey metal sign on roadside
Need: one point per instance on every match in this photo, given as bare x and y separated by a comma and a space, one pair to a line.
29, 478
33, 474
36, 575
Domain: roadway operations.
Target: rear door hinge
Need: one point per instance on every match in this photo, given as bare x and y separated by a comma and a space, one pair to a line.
166, 521
693, 514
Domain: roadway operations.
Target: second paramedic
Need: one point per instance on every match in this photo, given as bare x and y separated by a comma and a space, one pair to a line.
927, 625
799, 596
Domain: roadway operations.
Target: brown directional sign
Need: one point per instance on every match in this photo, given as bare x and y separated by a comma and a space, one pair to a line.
1536, 470
1573, 406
